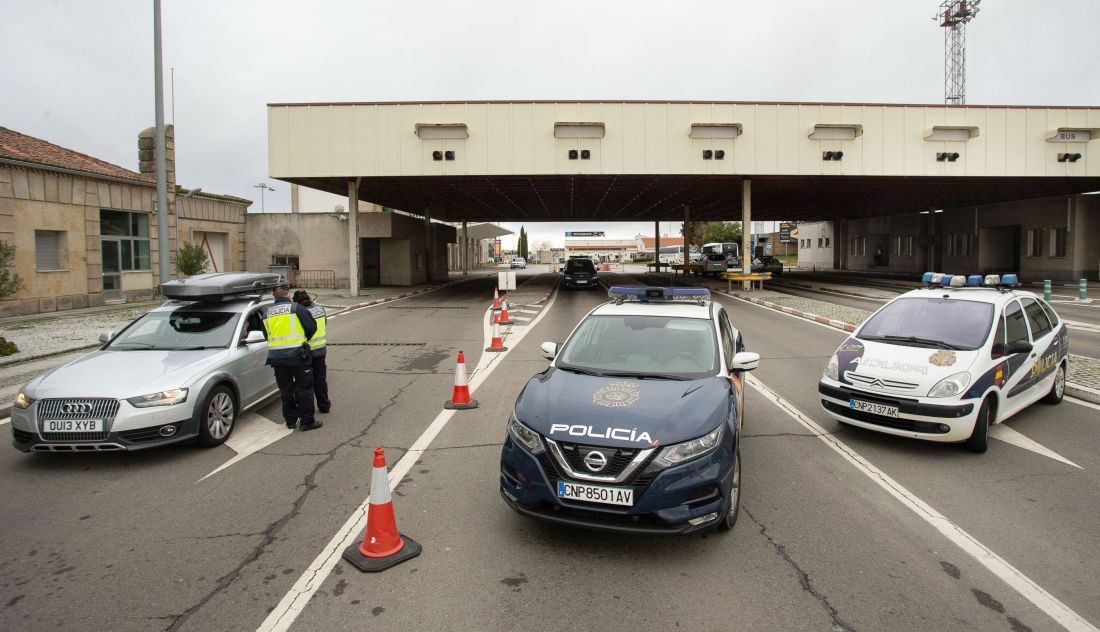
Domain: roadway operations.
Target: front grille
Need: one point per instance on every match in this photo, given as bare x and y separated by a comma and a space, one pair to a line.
76, 409
639, 480
617, 458
870, 381
888, 422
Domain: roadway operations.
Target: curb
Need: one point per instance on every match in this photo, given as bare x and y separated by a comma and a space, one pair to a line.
815, 288
838, 324
1084, 393
42, 356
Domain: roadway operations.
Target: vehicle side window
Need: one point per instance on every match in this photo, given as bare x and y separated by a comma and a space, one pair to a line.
1050, 313
254, 322
1037, 318
998, 348
727, 336
1015, 324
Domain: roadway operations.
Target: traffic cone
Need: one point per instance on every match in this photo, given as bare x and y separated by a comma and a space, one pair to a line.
382, 545
503, 318
498, 343
460, 398
496, 298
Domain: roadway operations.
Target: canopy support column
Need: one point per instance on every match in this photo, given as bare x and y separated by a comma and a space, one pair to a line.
746, 231
353, 237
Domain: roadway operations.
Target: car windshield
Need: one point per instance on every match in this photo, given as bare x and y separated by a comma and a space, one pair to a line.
580, 265
931, 322
642, 346
182, 329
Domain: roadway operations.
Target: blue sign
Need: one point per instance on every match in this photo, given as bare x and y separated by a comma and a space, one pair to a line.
584, 233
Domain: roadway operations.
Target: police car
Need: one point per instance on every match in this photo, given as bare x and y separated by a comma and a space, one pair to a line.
635, 424
944, 362
183, 371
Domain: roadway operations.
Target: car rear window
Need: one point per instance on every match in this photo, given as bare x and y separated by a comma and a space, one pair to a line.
958, 323
580, 265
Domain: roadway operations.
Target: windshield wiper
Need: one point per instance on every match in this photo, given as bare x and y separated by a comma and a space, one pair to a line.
914, 340
649, 376
190, 348
120, 345
577, 369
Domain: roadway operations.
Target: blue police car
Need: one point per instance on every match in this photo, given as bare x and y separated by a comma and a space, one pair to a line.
635, 424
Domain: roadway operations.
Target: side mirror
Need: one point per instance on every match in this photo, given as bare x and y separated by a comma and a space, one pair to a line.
1018, 346
745, 361
254, 336
549, 350
106, 336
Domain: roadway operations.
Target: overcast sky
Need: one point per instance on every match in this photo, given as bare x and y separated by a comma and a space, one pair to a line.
80, 74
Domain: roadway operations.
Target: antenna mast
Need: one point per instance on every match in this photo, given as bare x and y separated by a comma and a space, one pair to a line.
953, 18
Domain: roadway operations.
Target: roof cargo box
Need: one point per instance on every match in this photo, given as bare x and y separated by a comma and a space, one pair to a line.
219, 286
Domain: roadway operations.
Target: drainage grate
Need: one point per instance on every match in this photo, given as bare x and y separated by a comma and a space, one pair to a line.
377, 344
427, 307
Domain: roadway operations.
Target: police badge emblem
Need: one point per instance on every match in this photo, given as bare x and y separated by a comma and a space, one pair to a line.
616, 395
942, 358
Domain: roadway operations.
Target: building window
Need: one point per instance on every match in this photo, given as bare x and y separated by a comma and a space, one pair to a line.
1034, 243
49, 250
820, 242
1057, 242
285, 260
859, 247
130, 232
826, 242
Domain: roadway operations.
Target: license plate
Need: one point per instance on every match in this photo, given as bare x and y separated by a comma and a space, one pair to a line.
596, 493
583, 282
873, 408
72, 425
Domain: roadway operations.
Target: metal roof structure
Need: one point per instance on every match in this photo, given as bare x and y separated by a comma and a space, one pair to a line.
632, 161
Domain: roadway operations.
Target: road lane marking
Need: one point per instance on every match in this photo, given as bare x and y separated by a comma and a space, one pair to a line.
1012, 437
776, 311
309, 582
5, 420
253, 433
1012, 576
1080, 402
1089, 327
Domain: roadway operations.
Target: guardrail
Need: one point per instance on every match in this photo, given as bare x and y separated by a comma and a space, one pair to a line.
325, 279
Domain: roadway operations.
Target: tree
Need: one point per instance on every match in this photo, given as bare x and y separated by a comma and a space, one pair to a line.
521, 245
714, 232
10, 283
191, 259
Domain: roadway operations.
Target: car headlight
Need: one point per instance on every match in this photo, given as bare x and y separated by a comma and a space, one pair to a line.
680, 452
950, 385
525, 436
163, 398
23, 402
832, 369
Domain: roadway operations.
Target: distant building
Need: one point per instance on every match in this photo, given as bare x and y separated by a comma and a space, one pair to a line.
606, 250
815, 245
85, 229
645, 245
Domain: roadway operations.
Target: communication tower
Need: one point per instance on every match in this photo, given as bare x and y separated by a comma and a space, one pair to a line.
953, 18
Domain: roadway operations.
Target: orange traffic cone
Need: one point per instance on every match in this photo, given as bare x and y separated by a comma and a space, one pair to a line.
496, 298
503, 318
382, 545
498, 343
460, 398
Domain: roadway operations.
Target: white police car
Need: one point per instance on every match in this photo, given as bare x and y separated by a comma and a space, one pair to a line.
635, 424
944, 362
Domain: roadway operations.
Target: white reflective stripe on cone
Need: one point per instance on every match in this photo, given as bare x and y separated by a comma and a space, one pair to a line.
379, 487
460, 374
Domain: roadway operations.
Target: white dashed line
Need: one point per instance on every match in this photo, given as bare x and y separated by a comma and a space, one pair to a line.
1008, 573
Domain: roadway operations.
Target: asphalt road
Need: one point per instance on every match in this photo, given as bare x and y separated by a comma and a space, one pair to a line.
132, 542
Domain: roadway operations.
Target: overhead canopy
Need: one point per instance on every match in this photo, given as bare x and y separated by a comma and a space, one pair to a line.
485, 231
629, 161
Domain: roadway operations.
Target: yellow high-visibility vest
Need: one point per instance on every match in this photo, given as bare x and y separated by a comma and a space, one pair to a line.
284, 330
318, 340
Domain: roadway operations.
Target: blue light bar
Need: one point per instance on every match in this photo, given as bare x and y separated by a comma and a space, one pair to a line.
1009, 280
974, 280
645, 294
927, 278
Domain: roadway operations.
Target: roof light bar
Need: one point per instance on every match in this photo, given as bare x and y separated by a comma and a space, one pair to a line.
644, 294
938, 279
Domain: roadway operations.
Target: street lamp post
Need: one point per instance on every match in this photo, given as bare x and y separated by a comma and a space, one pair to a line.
262, 187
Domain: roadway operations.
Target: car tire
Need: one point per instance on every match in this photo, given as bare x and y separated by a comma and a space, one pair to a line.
979, 439
217, 416
730, 518
1058, 388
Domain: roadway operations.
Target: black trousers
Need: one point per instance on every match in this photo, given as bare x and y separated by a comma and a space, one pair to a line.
296, 391
320, 383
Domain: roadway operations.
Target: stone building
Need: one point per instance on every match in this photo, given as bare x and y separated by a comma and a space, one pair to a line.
85, 229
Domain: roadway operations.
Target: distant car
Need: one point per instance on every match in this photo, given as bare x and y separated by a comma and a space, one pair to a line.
519, 262
714, 263
944, 363
580, 272
768, 264
185, 370
635, 425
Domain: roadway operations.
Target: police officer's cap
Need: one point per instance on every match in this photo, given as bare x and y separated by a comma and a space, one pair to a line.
282, 285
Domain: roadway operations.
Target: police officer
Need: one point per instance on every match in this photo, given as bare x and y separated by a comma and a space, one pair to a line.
317, 346
289, 328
